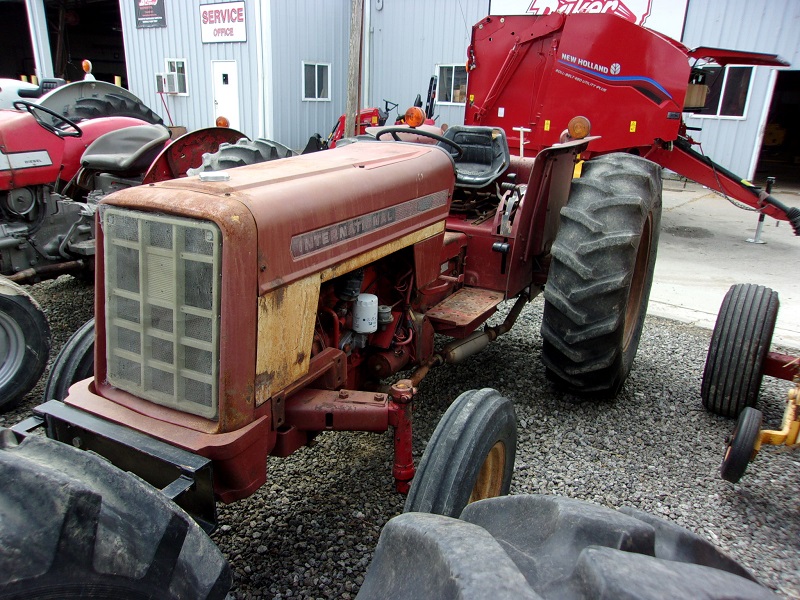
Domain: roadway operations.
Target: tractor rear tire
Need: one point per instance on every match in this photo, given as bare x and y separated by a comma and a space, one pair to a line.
601, 273
24, 343
739, 345
242, 153
469, 457
74, 363
544, 547
112, 105
740, 446
74, 526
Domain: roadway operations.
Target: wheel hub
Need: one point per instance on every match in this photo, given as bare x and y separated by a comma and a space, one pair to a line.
490, 478
12, 348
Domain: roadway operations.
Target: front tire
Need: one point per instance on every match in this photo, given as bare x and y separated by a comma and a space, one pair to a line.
24, 343
74, 363
74, 526
740, 448
739, 345
601, 273
469, 457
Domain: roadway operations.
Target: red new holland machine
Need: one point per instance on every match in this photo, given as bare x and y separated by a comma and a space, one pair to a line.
531, 74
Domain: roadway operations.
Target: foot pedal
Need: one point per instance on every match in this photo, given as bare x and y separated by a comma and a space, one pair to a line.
458, 315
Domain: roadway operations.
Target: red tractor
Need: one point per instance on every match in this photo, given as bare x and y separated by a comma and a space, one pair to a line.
59, 156
241, 313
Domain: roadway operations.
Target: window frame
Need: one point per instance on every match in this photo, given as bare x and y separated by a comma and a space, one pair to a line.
316, 66
723, 90
178, 75
453, 67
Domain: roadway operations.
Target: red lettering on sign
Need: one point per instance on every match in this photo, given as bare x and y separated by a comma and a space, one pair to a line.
228, 15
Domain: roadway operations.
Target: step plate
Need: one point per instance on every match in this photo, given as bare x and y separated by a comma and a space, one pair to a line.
464, 310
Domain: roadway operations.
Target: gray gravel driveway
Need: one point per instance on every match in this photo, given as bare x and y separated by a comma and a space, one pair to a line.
310, 531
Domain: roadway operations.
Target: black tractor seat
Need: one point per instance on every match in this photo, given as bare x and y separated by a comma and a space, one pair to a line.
131, 149
485, 156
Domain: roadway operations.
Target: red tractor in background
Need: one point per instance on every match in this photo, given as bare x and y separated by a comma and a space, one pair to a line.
531, 74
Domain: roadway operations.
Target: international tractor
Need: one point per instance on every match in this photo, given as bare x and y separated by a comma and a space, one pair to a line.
240, 313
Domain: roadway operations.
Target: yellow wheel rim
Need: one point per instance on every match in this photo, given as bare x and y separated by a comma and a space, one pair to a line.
489, 483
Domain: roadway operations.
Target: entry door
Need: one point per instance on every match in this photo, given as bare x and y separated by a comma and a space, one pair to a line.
226, 91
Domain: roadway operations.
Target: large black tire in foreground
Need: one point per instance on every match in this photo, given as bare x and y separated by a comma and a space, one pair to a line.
74, 363
601, 273
739, 344
24, 343
469, 457
524, 547
74, 526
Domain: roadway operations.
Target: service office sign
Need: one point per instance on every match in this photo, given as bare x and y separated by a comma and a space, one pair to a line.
223, 22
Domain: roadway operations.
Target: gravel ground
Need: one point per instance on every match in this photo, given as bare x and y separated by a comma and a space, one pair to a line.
310, 531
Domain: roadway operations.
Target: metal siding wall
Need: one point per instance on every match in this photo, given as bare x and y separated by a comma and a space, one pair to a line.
409, 38
771, 26
146, 49
312, 31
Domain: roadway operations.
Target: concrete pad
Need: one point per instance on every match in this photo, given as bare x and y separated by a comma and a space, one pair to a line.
703, 251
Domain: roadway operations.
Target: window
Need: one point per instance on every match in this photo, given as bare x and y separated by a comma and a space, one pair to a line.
316, 81
452, 84
177, 66
728, 91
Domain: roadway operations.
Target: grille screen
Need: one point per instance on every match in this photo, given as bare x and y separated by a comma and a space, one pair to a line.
162, 308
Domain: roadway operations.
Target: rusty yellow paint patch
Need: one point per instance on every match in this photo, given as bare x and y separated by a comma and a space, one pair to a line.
286, 318
285, 333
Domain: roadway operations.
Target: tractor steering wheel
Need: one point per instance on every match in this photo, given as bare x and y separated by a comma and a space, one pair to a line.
51, 127
394, 131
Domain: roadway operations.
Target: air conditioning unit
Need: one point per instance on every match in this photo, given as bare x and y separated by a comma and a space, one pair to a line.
167, 83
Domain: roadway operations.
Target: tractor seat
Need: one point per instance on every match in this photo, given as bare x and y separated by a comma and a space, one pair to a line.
125, 150
485, 156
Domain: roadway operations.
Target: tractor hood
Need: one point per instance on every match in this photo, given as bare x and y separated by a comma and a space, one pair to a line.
314, 212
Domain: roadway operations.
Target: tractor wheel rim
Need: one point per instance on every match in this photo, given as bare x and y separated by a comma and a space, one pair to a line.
489, 483
12, 348
638, 281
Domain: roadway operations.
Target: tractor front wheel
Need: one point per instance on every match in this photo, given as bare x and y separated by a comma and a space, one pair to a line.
739, 345
74, 363
740, 447
24, 343
601, 273
469, 457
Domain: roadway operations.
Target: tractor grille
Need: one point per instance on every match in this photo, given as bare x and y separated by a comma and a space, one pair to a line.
162, 277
